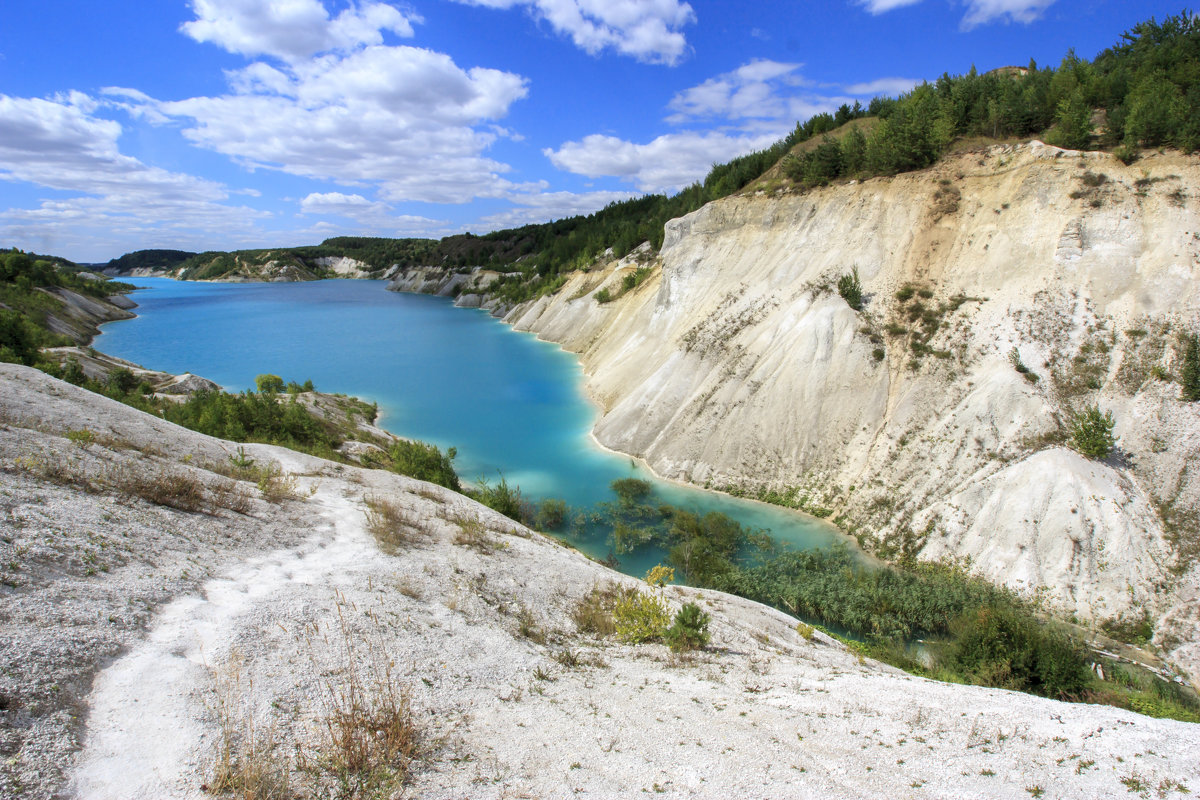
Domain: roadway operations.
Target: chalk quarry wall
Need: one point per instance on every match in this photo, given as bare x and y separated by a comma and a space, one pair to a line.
737, 364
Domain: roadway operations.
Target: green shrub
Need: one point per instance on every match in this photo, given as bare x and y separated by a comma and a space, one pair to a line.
1189, 375
603, 296
1091, 432
425, 462
502, 497
640, 617
1001, 646
850, 289
269, 384
690, 629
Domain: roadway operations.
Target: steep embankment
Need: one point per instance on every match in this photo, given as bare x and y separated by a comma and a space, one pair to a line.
738, 365
77, 316
160, 609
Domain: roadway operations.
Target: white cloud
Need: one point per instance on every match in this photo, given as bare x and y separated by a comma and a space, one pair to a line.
761, 89
372, 216
292, 29
545, 206
60, 145
979, 12
648, 30
881, 6
666, 164
883, 86
120, 202
751, 107
405, 119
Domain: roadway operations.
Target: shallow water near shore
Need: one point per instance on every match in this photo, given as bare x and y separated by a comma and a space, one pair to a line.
509, 403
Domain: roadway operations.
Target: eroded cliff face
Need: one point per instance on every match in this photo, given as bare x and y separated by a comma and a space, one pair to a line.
736, 364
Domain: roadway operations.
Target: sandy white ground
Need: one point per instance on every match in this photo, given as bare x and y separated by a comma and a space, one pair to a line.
763, 713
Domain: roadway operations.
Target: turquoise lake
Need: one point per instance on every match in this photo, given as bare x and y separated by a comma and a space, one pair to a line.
509, 403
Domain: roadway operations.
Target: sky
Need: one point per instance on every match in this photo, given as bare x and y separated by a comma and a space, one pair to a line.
226, 124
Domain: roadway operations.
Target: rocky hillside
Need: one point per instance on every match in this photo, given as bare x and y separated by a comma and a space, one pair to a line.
186, 618
1004, 291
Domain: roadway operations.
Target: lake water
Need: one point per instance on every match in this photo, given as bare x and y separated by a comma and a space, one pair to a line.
509, 403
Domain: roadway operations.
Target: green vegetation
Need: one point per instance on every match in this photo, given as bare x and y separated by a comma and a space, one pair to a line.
1189, 375
26, 302
1092, 432
640, 617
1148, 85
850, 289
630, 490
425, 462
149, 259
689, 631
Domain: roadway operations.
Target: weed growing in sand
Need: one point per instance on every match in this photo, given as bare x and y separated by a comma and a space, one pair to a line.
82, 438
248, 763
275, 486
473, 533
593, 612
392, 526
527, 626
368, 738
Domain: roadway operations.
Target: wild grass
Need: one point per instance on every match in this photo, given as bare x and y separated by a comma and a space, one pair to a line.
367, 733
473, 533
592, 613
249, 762
393, 527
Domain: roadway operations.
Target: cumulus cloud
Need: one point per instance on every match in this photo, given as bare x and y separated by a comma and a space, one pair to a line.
648, 30
752, 90
747, 109
406, 119
120, 202
666, 164
292, 29
60, 145
979, 12
372, 216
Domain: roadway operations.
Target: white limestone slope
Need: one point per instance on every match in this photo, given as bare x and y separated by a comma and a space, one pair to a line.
738, 364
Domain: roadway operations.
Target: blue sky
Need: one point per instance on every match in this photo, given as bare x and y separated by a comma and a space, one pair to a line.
222, 124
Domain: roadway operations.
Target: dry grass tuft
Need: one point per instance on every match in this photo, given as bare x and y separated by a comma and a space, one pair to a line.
165, 488
473, 533
393, 526
276, 486
248, 763
593, 612
368, 736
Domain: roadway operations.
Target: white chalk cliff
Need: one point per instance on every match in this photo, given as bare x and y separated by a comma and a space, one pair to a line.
737, 364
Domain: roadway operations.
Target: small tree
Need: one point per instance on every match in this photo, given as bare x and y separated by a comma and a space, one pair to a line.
850, 289
269, 384
1190, 374
1091, 432
690, 629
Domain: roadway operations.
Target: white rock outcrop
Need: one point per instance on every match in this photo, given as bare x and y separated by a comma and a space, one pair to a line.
737, 363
